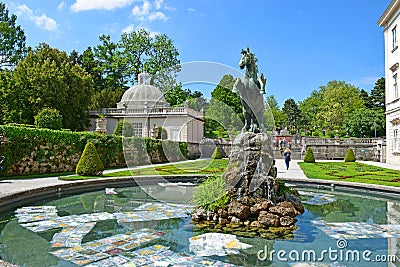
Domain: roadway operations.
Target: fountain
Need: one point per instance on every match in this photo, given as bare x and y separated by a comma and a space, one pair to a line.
257, 200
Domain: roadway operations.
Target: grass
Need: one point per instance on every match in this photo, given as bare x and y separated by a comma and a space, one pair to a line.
351, 172
210, 166
33, 176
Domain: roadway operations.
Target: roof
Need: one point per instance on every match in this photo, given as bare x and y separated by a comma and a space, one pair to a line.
389, 13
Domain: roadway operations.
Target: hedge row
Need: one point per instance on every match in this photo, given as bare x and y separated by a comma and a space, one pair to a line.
44, 147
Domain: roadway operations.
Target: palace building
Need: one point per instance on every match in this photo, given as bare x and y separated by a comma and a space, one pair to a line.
145, 107
390, 20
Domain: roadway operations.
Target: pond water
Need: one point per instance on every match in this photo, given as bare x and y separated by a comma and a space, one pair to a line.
131, 229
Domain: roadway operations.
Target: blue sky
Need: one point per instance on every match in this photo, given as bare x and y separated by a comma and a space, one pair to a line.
300, 44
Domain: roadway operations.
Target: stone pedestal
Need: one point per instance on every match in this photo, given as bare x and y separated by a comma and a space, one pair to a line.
251, 171
101, 125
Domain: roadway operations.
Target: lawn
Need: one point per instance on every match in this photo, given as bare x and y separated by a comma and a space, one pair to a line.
351, 172
210, 166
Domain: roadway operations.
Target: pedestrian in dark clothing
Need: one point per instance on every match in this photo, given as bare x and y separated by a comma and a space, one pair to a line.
286, 155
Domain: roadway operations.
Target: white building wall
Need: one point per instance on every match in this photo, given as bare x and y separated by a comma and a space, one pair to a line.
390, 20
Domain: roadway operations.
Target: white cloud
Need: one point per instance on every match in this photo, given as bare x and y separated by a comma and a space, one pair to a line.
191, 9
158, 16
41, 21
82, 5
158, 3
61, 6
365, 81
146, 11
129, 28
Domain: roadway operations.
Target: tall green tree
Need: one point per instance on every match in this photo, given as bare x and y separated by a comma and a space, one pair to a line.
143, 52
111, 63
280, 118
45, 78
311, 107
12, 39
295, 117
339, 100
223, 93
377, 95
363, 122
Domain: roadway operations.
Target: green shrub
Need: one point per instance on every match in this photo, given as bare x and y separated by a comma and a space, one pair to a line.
90, 163
49, 118
350, 157
124, 128
211, 194
216, 154
309, 156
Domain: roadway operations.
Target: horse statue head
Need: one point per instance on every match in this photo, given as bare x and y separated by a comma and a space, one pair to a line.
248, 60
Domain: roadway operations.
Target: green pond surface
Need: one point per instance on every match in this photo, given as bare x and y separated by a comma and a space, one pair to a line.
337, 229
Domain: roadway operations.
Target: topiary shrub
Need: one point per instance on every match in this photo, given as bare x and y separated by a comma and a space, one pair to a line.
350, 157
309, 156
124, 128
216, 154
49, 118
90, 163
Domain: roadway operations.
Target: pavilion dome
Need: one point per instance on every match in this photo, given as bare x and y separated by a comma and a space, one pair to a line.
142, 95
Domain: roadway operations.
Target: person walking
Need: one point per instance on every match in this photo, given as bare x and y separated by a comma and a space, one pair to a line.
286, 155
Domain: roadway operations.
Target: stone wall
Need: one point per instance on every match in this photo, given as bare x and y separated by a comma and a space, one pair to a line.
370, 149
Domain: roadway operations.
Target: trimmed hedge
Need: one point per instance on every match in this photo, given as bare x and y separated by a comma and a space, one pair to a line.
350, 157
309, 156
90, 163
59, 151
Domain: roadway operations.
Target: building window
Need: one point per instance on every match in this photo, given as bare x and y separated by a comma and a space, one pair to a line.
394, 38
395, 87
395, 140
137, 129
175, 135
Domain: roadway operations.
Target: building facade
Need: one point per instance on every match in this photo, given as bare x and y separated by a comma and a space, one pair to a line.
146, 108
390, 21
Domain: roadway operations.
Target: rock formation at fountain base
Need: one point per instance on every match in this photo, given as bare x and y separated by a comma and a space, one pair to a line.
259, 204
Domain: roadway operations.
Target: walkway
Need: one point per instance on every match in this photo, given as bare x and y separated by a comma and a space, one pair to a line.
15, 186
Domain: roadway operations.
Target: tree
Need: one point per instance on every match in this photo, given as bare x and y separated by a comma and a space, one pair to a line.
311, 107
223, 93
111, 63
45, 78
221, 118
377, 95
49, 118
295, 117
146, 53
363, 122
225, 110
339, 100
366, 98
12, 39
